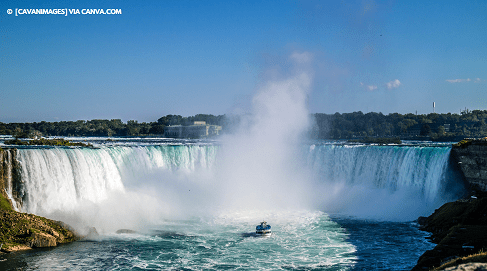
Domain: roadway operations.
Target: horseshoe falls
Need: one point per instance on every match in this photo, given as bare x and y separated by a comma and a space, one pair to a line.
384, 182
193, 207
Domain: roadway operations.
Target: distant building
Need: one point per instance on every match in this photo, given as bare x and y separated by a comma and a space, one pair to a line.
199, 129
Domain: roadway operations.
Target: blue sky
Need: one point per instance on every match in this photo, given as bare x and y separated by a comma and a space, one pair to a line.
190, 57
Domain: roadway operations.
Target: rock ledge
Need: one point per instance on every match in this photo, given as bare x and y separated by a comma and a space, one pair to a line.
20, 231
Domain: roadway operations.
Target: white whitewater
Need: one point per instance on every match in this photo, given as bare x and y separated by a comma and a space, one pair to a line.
62, 179
384, 182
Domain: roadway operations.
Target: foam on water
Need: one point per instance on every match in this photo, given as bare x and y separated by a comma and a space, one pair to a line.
300, 240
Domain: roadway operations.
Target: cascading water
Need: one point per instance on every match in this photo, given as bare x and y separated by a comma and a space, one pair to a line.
384, 182
390, 167
61, 178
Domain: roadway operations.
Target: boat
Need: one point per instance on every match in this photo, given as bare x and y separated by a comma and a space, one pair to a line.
263, 228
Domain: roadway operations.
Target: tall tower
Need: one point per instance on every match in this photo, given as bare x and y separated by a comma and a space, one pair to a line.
434, 107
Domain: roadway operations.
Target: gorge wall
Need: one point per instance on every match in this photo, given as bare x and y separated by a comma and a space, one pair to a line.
10, 179
471, 157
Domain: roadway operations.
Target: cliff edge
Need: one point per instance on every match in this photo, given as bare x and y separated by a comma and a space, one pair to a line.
471, 157
458, 228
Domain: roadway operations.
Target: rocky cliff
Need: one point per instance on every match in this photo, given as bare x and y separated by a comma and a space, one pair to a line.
20, 231
458, 228
9, 178
471, 157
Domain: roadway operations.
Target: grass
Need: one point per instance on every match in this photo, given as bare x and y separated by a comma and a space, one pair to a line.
480, 257
4, 203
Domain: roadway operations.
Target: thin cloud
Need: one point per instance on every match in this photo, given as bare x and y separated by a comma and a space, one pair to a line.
393, 84
461, 80
369, 87
372, 87
301, 58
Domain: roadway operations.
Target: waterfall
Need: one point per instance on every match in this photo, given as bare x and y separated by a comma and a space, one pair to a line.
374, 179
62, 178
391, 167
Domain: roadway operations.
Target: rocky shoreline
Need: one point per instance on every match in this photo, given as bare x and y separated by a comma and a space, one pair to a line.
22, 231
458, 228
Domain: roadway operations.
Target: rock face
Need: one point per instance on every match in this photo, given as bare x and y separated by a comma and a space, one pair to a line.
20, 231
468, 267
41, 239
458, 228
471, 157
10, 178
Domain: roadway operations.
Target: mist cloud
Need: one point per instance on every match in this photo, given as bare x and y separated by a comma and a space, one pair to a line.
259, 164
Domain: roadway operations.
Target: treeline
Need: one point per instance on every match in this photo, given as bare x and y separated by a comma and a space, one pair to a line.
327, 126
114, 127
427, 126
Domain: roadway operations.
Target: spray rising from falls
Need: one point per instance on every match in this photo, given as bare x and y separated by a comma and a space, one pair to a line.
260, 168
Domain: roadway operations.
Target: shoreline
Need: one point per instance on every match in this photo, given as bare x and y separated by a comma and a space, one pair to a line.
459, 230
